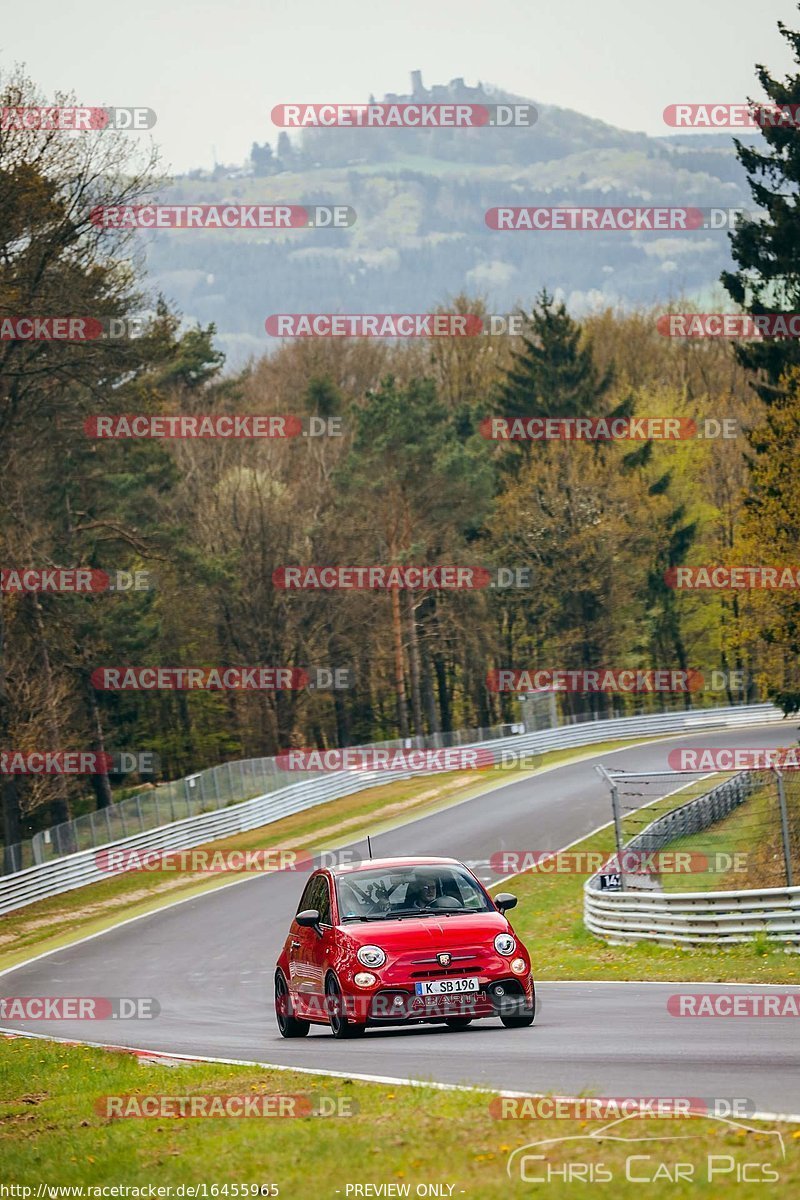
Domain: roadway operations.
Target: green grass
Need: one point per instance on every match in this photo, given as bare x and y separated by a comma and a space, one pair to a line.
53, 1133
98, 906
753, 830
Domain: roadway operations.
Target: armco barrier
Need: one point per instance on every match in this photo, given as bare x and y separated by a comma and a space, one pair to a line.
693, 918
75, 870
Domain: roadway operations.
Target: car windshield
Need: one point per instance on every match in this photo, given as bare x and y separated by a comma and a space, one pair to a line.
394, 893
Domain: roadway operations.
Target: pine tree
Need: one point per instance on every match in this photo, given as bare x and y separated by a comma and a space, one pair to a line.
767, 251
554, 374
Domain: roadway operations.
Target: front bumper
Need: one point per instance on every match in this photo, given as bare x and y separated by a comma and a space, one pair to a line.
398, 1004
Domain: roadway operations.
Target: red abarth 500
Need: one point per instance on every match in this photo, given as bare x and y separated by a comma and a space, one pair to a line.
401, 941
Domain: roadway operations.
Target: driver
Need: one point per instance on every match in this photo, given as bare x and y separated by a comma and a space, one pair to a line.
422, 893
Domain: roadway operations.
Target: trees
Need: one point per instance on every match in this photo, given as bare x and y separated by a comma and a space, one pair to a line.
53, 261
66, 501
553, 373
767, 251
411, 492
575, 517
262, 159
770, 534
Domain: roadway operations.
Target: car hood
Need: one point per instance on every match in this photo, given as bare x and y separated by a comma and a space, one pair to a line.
426, 932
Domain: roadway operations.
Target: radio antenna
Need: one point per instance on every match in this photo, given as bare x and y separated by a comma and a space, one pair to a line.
369, 846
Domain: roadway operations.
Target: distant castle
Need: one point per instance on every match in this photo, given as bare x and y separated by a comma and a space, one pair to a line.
456, 90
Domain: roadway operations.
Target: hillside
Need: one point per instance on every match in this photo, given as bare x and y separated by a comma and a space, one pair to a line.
420, 237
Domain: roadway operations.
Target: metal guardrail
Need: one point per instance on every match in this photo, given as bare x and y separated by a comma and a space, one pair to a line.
693, 918
75, 870
201, 792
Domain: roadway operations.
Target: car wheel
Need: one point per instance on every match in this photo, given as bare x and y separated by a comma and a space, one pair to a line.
340, 1026
289, 1025
520, 1021
522, 1018
458, 1022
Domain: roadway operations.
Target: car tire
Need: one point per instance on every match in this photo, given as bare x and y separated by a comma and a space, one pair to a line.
340, 1026
521, 1021
289, 1026
458, 1022
522, 1018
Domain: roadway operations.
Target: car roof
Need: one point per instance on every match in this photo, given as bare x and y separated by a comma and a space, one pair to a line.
384, 863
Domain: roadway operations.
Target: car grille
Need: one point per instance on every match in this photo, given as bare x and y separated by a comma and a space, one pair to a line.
437, 972
464, 961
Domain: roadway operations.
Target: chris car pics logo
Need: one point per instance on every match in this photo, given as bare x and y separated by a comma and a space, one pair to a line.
670, 1158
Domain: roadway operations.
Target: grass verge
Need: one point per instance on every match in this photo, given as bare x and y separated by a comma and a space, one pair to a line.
749, 838
53, 1134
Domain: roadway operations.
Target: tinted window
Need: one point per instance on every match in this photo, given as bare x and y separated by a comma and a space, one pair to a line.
377, 892
323, 900
317, 895
305, 899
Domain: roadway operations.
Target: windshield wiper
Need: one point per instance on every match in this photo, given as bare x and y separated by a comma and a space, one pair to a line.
417, 912
441, 912
374, 917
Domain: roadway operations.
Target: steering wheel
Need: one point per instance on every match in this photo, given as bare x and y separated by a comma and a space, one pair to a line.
446, 903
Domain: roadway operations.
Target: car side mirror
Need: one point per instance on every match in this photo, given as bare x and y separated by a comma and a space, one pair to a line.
310, 918
504, 900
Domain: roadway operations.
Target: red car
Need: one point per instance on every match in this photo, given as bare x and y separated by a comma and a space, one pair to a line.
401, 941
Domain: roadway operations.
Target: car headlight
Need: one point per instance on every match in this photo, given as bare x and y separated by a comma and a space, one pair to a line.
371, 956
505, 944
364, 979
519, 966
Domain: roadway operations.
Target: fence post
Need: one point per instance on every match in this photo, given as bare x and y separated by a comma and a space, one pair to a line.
787, 856
617, 823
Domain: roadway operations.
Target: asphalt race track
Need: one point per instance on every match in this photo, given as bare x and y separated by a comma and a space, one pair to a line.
209, 962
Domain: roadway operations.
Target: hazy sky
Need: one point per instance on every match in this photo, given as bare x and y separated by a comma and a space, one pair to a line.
213, 70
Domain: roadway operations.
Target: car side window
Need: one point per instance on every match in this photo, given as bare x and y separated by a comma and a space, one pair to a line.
323, 900
307, 898
317, 895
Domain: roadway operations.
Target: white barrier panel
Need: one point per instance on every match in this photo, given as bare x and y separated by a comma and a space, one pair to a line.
694, 918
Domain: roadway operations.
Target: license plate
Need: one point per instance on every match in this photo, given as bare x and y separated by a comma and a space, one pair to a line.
446, 987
